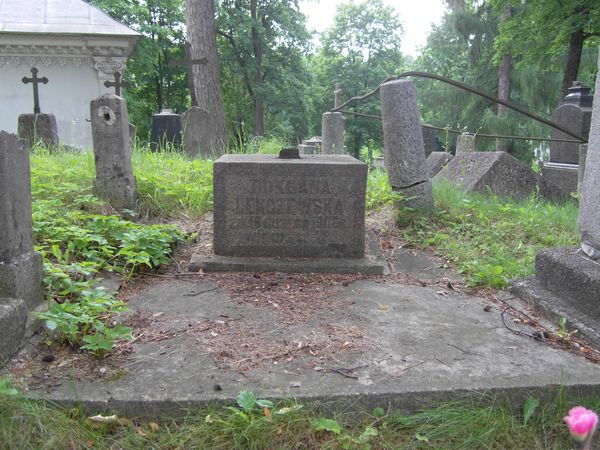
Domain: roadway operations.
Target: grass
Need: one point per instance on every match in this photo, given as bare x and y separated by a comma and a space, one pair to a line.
474, 423
490, 240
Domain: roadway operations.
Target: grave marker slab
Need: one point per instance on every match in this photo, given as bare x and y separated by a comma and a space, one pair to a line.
436, 162
332, 127
114, 181
308, 207
166, 130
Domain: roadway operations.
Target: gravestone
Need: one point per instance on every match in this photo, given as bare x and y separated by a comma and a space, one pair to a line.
466, 143
567, 280
332, 127
114, 181
198, 139
311, 146
20, 266
429, 141
498, 172
166, 130
37, 127
574, 113
436, 162
403, 149
265, 206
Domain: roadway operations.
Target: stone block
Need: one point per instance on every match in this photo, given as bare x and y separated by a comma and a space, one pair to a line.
498, 172
308, 207
306, 149
13, 320
198, 138
38, 127
166, 130
436, 162
429, 141
21, 277
332, 126
572, 276
114, 181
589, 212
562, 178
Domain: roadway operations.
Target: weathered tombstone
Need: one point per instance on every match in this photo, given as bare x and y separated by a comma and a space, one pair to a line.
308, 207
497, 172
198, 139
37, 127
114, 181
403, 149
466, 143
429, 140
166, 130
117, 84
436, 162
332, 127
310, 146
582, 158
20, 266
567, 280
574, 113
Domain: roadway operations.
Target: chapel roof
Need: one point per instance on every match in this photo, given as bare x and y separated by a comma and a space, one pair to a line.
58, 17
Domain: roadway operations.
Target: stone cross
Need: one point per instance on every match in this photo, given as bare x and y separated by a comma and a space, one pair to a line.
338, 95
190, 67
35, 80
116, 84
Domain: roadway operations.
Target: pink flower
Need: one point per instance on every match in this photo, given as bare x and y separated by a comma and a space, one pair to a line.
582, 423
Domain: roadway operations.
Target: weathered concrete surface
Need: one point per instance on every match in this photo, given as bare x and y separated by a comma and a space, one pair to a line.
308, 207
114, 181
417, 346
560, 180
13, 318
466, 143
436, 162
38, 127
332, 130
497, 172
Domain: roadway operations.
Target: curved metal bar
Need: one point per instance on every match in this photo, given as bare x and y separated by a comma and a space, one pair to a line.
467, 88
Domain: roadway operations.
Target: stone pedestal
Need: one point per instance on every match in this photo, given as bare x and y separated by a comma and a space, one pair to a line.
114, 181
332, 127
466, 143
13, 321
403, 149
198, 139
560, 180
265, 206
40, 127
166, 130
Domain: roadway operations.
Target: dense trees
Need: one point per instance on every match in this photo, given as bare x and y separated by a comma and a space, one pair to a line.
277, 80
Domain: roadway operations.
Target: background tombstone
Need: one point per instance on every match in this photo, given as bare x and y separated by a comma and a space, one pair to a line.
114, 181
37, 126
466, 143
403, 148
574, 113
198, 139
310, 146
436, 161
332, 127
429, 141
166, 130
20, 266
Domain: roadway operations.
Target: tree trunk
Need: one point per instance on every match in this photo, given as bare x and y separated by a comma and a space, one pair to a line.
259, 107
504, 85
573, 60
204, 70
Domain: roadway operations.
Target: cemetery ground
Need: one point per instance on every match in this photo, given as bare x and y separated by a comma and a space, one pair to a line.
311, 335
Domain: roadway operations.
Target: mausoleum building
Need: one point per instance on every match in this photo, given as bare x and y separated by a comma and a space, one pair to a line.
73, 44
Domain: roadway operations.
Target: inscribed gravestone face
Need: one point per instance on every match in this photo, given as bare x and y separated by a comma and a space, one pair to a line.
309, 207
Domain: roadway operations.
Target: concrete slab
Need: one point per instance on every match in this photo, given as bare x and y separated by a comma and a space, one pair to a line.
363, 344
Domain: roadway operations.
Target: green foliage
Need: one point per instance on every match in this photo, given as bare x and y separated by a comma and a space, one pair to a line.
76, 243
490, 240
359, 51
529, 408
480, 422
379, 191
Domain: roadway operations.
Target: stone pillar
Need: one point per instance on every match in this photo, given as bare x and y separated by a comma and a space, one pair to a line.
198, 138
403, 148
466, 143
166, 130
589, 205
38, 127
332, 127
114, 182
581, 172
20, 266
